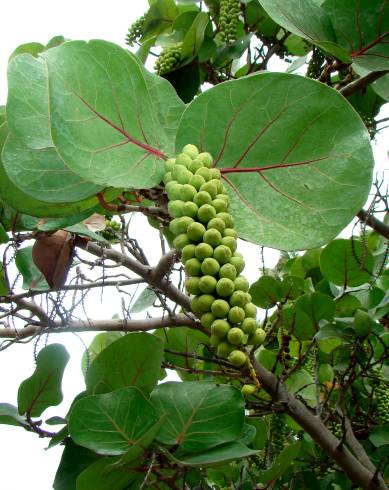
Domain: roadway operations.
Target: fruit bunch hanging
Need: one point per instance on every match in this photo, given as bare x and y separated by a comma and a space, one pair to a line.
228, 20
168, 60
204, 233
135, 31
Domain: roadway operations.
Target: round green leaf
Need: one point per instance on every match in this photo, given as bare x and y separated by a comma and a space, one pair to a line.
266, 292
200, 415
346, 263
296, 172
103, 122
132, 360
43, 388
111, 423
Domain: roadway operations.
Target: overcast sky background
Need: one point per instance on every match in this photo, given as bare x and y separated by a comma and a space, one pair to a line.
24, 462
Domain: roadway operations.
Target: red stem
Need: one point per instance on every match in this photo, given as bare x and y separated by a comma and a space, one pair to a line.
231, 170
371, 45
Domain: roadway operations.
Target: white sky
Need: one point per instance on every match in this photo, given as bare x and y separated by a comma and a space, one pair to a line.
24, 463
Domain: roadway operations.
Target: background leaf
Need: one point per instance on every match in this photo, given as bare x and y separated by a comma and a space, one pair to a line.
43, 388
32, 277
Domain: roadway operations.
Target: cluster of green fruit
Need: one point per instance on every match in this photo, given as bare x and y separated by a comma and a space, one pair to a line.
204, 233
135, 31
111, 230
382, 399
228, 20
168, 60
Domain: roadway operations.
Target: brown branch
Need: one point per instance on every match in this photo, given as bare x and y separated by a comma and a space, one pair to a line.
361, 83
314, 426
374, 223
102, 326
144, 271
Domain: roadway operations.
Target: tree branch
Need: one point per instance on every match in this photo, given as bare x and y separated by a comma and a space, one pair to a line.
361, 83
144, 271
103, 326
314, 426
374, 223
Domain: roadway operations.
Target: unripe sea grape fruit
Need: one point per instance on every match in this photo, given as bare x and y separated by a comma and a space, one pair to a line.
191, 150
188, 192
220, 308
205, 302
236, 314
220, 328
228, 271
206, 158
220, 205
213, 237
225, 287
195, 231
210, 267
235, 336
173, 190
188, 252
183, 159
207, 319
248, 390
206, 212
192, 285
180, 225
227, 218
207, 284
238, 263
215, 173
170, 162
190, 209
197, 181
224, 349
175, 208
195, 165
211, 188
204, 172
181, 174
230, 232
249, 325
181, 241
241, 284
203, 251
217, 224
194, 304
193, 267
250, 310
257, 338
214, 340
224, 198
238, 298
202, 198
230, 242
167, 177
237, 358
222, 254
363, 324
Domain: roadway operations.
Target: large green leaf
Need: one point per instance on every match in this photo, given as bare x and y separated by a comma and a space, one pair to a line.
102, 475
217, 455
43, 388
73, 461
195, 35
29, 157
113, 422
346, 263
295, 157
9, 415
200, 415
362, 29
103, 122
98, 344
132, 360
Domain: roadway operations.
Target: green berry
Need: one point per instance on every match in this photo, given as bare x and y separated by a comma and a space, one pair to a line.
189, 209
224, 198
225, 287
181, 241
214, 340
195, 231
215, 173
250, 310
213, 237
204, 172
224, 349
193, 267
220, 205
206, 212
194, 304
237, 358
207, 319
205, 302
220, 308
216, 223
173, 190
188, 252
191, 150
363, 323
175, 208
230, 232
202, 198
220, 328
249, 326
238, 263
235, 336
170, 162
207, 284
188, 192
167, 177
195, 165
238, 298
222, 254
180, 225
203, 251
228, 271
248, 390
227, 218
257, 338
197, 181
210, 267
211, 188
192, 285
229, 242
183, 159
181, 174
206, 158
236, 314
241, 284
